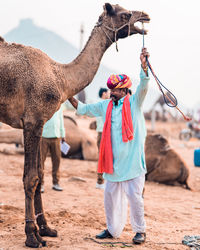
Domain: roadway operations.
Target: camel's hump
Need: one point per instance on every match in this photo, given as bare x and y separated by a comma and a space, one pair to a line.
1, 39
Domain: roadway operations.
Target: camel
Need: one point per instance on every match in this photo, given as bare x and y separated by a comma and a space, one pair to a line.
161, 101
11, 136
164, 165
32, 88
82, 145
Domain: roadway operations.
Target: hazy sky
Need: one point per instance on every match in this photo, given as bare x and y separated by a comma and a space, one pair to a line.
173, 39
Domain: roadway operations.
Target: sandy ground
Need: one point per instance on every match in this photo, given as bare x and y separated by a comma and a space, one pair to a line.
78, 212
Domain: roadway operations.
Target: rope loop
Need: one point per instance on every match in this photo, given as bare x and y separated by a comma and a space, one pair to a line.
169, 98
115, 30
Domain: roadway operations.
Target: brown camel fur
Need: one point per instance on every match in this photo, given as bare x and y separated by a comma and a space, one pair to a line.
164, 165
82, 144
10, 136
32, 88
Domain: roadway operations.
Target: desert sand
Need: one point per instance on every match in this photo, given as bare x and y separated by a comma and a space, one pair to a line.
78, 211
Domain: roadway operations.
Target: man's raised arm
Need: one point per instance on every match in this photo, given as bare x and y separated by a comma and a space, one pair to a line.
92, 109
73, 102
144, 54
144, 78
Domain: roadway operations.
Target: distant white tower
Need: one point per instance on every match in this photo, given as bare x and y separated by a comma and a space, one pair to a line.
81, 95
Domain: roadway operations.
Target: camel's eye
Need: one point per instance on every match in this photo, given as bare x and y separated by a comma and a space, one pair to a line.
125, 16
100, 19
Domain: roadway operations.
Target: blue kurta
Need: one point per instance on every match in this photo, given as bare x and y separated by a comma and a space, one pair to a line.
128, 157
100, 124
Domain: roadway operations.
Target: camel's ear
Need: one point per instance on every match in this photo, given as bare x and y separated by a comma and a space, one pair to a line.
109, 9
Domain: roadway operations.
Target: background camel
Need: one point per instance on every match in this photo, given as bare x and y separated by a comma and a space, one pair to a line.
32, 88
82, 144
10, 136
164, 165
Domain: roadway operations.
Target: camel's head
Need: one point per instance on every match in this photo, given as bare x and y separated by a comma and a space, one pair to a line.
156, 143
122, 21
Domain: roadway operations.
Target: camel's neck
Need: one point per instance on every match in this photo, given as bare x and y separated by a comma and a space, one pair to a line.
80, 72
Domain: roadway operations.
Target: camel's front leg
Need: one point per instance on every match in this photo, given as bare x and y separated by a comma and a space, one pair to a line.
31, 180
44, 230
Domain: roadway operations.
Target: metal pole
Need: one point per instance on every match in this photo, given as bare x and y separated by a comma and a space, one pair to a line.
81, 37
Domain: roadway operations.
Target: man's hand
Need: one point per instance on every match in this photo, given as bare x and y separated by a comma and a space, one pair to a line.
73, 102
143, 56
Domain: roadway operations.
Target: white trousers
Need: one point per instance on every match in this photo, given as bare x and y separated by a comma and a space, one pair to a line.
116, 198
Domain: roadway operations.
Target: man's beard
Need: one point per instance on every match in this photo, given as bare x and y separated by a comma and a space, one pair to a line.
114, 98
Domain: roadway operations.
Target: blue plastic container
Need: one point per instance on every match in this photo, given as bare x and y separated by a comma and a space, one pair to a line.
197, 157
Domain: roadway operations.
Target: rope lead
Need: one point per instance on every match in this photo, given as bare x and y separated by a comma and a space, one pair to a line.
169, 98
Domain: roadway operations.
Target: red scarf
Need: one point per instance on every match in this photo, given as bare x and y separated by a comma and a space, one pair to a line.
105, 164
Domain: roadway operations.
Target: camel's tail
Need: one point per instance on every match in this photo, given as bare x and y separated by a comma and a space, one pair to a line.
188, 186
184, 176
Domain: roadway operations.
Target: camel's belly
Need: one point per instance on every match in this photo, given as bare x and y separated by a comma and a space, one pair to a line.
11, 115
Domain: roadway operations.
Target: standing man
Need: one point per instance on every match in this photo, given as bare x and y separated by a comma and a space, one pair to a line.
104, 94
53, 133
121, 156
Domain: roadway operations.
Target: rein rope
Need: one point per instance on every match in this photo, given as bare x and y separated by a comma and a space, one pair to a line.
169, 98
115, 30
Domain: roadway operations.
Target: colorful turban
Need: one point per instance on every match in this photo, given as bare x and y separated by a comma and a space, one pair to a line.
119, 81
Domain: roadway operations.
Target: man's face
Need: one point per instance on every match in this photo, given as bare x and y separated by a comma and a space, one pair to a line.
116, 94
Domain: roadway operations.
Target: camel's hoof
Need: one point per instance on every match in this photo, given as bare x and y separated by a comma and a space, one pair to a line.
31, 241
39, 238
47, 231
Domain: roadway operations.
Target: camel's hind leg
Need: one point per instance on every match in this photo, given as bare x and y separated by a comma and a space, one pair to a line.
31, 180
41, 221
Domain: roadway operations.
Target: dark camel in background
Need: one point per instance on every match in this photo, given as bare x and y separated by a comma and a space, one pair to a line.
164, 165
32, 88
